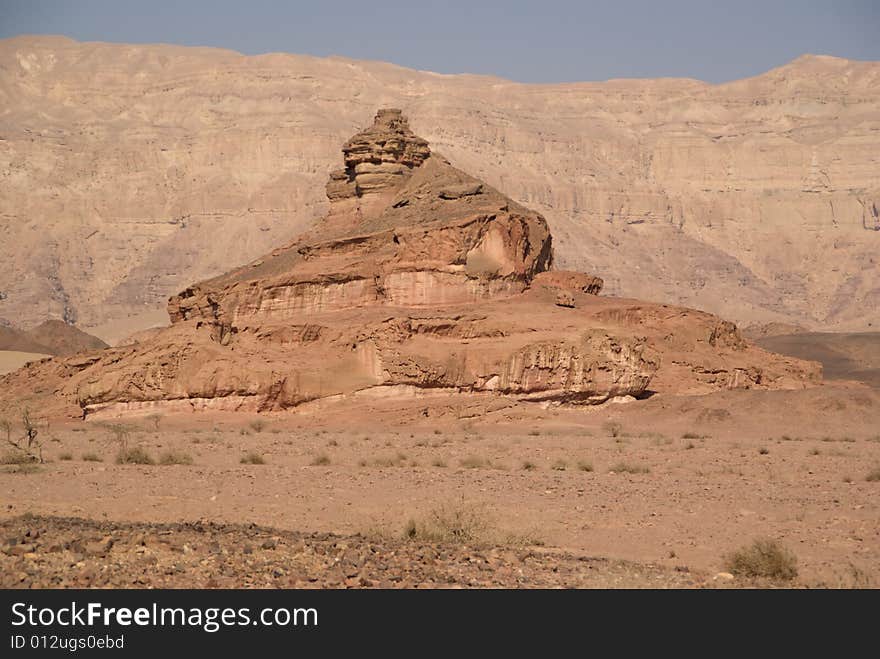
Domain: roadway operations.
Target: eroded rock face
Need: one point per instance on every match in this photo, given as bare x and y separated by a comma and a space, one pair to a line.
378, 158
425, 234
420, 280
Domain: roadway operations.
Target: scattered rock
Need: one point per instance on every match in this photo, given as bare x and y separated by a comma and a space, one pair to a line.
565, 299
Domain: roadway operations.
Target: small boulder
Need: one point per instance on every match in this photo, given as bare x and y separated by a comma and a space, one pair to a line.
565, 299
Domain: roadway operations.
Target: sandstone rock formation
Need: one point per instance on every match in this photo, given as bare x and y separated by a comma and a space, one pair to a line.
420, 280
128, 172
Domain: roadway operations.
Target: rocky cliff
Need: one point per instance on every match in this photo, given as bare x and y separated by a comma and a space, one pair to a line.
420, 280
128, 172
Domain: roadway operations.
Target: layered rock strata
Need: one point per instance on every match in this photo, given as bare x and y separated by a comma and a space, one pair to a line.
421, 279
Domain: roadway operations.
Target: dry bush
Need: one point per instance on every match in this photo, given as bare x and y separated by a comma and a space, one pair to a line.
16, 458
321, 460
134, 455
873, 475
25, 468
763, 558
27, 448
91, 457
451, 524
584, 465
628, 468
474, 462
175, 458
252, 458
258, 425
613, 428
397, 460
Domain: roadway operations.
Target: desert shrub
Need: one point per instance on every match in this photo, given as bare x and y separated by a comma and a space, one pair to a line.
27, 445
321, 460
763, 450
16, 457
559, 465
390, 460
628, 468
584, 465
154, 419
91, 457
25, 468
528, 465
252, 458
134, 455
258, 425
613, 428
873, 475
452, 524
474, 462
692, 435
763, 558
175, 458
65, 456
438, 462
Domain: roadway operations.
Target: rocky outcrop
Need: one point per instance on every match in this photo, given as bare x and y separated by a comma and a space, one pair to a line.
427, 282
378, 158
427, 234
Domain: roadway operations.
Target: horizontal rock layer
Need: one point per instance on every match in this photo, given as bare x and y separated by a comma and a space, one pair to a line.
524, 347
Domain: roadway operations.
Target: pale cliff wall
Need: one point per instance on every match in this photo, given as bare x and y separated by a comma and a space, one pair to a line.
128, 172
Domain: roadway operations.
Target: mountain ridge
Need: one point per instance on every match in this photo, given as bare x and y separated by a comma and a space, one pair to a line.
131, 171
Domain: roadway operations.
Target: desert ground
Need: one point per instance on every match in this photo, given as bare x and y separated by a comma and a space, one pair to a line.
651, 493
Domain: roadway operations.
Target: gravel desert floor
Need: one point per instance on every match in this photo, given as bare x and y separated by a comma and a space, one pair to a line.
650, 493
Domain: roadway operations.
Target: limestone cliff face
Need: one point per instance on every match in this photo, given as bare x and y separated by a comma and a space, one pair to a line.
428, 282
128, 172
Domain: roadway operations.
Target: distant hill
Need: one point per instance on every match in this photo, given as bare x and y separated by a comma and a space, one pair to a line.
52, 337
844, 356
18, 341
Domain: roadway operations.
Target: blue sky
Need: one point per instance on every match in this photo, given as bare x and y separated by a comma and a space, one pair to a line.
548, 41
